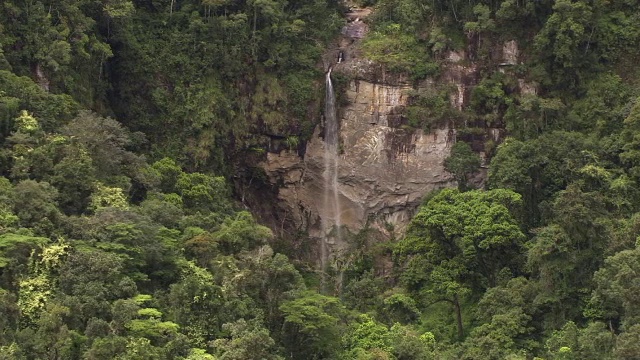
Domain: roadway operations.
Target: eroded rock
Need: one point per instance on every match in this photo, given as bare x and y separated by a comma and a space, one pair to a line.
510, 53
384, 170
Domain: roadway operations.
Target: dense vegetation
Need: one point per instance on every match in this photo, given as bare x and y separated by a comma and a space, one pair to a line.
123, 121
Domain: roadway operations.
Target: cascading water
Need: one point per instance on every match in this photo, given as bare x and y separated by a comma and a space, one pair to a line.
331, 221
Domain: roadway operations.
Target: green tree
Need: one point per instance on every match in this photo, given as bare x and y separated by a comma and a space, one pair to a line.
564, 38
15, 250
196, 304
10, 320
627, 347
592, 342
108, 197
58, 44
538, 169
311, 325
504, 314
74, 177
108, 143
270, 279
21, 93
89, 282
168, 172
54, 339
457, 244
409, 344
241, 233
616, 292
564, 255
630, 156
396, 49
366, 337
247, 340
203, 192
38, 206
462, 163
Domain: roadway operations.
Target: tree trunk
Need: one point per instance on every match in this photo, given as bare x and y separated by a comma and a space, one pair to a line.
456, 305
254, 43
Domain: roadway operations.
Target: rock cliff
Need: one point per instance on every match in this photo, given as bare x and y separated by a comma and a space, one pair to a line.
383, 171
385, 168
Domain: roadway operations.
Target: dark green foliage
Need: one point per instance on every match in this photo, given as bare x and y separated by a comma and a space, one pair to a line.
594, 341
397, 50
539, 168
246, 73
20, 93
105, 255
627, 345
429, 108
457, 245
15, 247
74, 177
462, 163
505, 317
107, 142
363, 293
616, 289
201, 319
37, 207
88, 298
312, 320
490, 99
248, 340
89, 281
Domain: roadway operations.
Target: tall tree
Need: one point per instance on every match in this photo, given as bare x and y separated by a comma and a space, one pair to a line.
458, 243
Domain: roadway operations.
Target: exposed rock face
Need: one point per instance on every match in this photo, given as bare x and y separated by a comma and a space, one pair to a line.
510, 52
460, 74
356, 29
41, 77
384, 171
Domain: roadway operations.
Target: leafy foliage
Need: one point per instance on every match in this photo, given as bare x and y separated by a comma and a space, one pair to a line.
122, 122
462, 163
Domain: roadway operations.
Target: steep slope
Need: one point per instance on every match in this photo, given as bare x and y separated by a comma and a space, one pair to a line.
384, 168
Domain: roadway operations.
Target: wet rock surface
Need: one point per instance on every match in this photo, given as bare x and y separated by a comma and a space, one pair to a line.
384, 168
383, 173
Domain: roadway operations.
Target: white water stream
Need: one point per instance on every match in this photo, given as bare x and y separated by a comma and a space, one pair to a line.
331, 221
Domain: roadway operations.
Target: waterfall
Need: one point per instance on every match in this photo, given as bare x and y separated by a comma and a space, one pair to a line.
331, 221
331, 124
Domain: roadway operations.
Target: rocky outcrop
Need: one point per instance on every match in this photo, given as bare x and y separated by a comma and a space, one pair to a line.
461, 74
384, 170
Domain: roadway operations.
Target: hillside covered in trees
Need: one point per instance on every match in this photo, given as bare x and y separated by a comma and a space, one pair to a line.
130, 129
